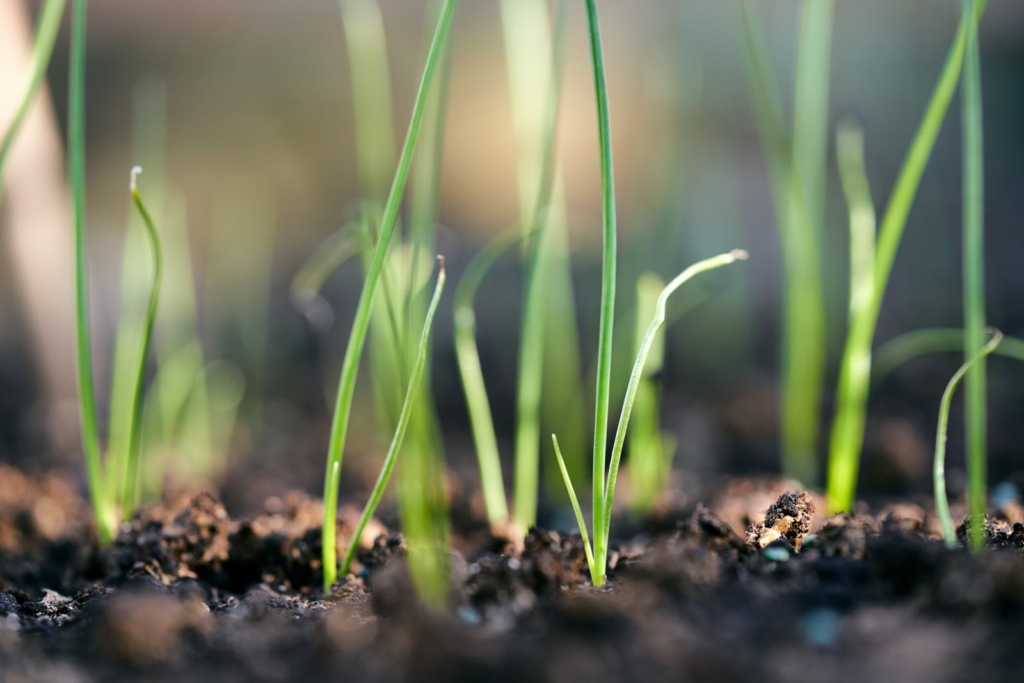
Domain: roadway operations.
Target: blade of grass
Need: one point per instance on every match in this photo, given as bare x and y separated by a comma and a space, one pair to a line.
910, 345
102, 503
851, 397
326, 258
411, 394
357, 337
974, 283
42, 50
602, 532
531, 344
596, 577
371, 95
473, 385
939, 467
130, 494
609, 248
803, 352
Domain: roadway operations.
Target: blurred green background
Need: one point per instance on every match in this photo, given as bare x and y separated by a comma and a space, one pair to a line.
259, 156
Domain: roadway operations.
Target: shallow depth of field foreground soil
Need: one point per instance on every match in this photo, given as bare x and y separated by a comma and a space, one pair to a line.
188, 593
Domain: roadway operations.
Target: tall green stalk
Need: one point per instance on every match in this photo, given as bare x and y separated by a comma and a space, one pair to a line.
797, 177
974, 284
102, 504
42, 49
357, 337
607, 320
854, 378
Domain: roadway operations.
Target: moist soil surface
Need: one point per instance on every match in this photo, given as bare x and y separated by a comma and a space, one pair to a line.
758, 585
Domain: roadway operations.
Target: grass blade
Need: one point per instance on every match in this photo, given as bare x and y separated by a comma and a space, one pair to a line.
42, 49
603, 531
939, 467
473, 385
328, 256
848, 426
357, 337
975, 391
102, 504
803, 354
411, 393
609, 248
596, 575
129, 496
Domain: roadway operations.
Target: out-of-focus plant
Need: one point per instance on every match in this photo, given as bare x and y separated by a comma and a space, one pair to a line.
910, 345
42, 50
855, 370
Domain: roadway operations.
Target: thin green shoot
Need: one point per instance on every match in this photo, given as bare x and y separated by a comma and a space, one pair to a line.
910, 345
803, 301
851, 398
42, 50
596, 576
602, 524
412, 392
468, 358
130, 494
102, 503
357, 338
939, 466
608, 263
531, 343
974, 283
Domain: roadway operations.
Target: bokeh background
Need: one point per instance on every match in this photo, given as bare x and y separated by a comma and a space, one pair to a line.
251, 103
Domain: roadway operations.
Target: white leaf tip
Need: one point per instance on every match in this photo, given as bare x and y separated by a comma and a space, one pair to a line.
739, 254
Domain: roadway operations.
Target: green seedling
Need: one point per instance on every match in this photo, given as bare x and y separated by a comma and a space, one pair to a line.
939, 467
855, 370
404, 418
104, 501
974, 282
42, 50
597, 556
357, 337
797, 170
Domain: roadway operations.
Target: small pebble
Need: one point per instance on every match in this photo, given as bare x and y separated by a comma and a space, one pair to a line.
776, 553
1005, 494
820, 626
469, 615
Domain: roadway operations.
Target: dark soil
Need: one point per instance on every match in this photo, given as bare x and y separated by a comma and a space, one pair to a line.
188, 593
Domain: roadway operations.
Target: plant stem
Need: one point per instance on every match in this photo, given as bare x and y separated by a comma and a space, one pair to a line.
129, 495
411, 394
607, 321
974, 284
101, 502
848, 427
42, 50
939, 466
357, 338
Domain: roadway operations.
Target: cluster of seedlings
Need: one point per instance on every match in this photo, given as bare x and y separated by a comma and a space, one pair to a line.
397, 306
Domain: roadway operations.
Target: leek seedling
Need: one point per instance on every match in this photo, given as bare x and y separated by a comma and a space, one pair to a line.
851, 394
357, 337
42, 49
910, 345
103, 499
939, 467
597, 557
411, 393
797, 172
974, 283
